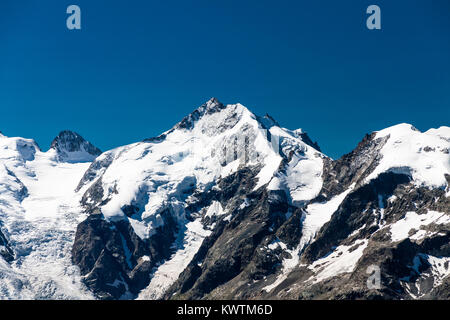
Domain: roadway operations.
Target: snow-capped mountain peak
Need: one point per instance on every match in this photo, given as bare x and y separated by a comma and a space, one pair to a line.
17, 148
211, 106
212, 142
71, 147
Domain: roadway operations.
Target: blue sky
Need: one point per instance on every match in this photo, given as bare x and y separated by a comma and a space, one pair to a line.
137, 67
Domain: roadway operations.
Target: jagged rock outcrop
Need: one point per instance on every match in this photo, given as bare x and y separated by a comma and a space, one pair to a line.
115, 262
71, 147
5, 250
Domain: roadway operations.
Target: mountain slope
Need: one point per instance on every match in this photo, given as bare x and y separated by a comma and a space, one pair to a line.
230, 205
377, 207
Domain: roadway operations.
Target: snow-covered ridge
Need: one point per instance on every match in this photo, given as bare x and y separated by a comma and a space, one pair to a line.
422, 155
210, 143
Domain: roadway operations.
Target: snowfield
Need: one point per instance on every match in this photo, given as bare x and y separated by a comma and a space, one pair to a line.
40, 212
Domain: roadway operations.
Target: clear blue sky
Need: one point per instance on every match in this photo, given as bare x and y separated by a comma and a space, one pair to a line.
137, 67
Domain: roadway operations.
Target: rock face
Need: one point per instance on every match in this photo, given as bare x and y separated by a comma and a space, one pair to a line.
5, 250
230, 257
407, 266
114, 259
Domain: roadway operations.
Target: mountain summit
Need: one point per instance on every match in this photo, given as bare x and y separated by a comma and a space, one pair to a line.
71, 147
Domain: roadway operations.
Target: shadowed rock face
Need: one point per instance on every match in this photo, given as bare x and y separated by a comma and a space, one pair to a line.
68, 143
366, 214
355, 212
231, 250
5, 250
113, 260
353, 167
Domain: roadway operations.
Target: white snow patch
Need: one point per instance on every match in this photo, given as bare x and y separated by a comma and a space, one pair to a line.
317, 214
277, 243
244, 204
168, 272
341, 260
440, 268
401, 228
421, 155
215, 209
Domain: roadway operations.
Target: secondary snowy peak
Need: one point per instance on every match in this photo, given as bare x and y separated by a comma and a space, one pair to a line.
71, 147
380, 199
13, 149
424, 156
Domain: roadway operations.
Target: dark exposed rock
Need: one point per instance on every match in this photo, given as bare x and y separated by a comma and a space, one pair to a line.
306, 139
351, 168
396, 261
441, 292
113, 260
93, 197
355, 211
290, 232
96, 168
71, 142
231, 250
5, 250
